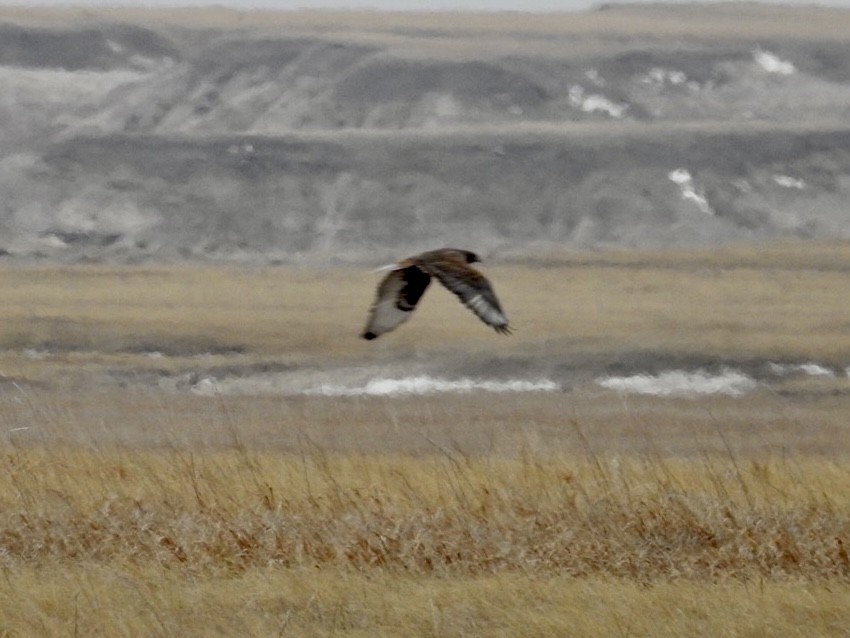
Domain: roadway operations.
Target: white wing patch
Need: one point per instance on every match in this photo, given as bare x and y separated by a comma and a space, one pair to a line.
387, 316
486, 311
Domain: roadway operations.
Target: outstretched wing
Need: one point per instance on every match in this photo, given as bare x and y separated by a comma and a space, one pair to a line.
398, 294
472, 288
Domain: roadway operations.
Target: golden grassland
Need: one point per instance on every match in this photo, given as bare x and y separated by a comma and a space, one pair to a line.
129, 510
273, 602
789, 301
235, 542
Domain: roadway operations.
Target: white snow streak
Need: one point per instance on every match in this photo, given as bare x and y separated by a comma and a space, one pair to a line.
811, 369
786, 181
425, 384
595, 103
772, 63
680, 382
684, 180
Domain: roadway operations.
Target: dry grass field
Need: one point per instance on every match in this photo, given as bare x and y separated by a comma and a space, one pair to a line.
129, 508
126, 542
783, 301
717, 21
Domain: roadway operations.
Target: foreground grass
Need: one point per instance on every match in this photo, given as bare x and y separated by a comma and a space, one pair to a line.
105, 600
234, 542
231, 510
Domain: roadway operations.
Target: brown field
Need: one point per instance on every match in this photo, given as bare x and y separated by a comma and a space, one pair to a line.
715, 21
129, 508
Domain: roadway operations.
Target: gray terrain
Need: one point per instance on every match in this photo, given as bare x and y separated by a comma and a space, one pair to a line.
325, 138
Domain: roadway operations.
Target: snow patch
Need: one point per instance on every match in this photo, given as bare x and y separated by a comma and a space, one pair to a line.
425, 384
680, 176
815, 370
786, 181
811, 369
238, 149
682, 383
379, 386
685, 181
772, 63
595, 103
661, 77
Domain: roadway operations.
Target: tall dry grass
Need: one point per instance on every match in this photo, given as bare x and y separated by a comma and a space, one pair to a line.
231, 510
103, 600
240, 542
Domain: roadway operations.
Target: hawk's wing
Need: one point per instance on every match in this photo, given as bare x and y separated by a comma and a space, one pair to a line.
398, 294
472, 288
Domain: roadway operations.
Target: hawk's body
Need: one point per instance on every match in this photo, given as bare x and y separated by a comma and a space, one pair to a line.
401, 289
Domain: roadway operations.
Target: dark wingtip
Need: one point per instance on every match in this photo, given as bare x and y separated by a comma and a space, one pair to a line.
369, 336
504, 330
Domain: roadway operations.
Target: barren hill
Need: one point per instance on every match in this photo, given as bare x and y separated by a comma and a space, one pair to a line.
311, 136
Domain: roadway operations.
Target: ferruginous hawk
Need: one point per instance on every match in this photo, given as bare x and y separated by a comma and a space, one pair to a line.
404, 285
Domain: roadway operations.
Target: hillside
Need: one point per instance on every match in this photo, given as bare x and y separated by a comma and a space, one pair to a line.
304, 137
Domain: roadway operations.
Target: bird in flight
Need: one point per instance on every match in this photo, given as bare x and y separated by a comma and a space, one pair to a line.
404, 285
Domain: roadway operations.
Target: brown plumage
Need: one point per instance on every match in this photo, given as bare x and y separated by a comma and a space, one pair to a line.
401, 289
